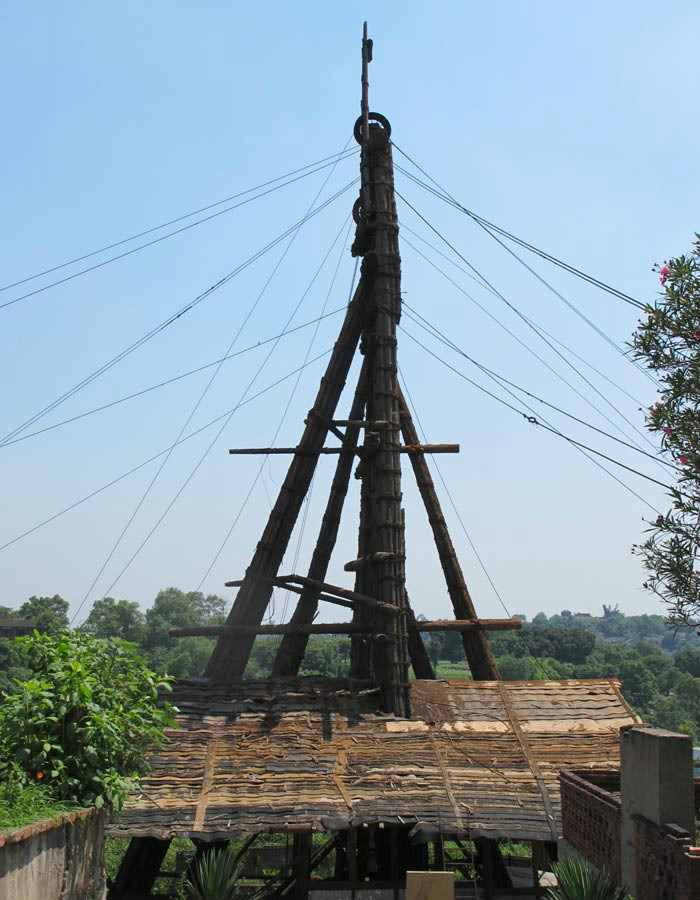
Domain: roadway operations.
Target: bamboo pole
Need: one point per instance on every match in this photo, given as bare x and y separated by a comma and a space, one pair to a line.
292, 647
476, 646
231, 653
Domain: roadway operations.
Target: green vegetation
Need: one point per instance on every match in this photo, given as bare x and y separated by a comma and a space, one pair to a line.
24, 804
667, 341
659, 667
578, 879
81, 723
215, 877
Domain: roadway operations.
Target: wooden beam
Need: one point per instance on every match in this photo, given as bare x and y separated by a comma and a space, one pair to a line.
470, 625
343, 593
231, 654
290, 628
334, 451
290, 652
379, 556
328, 592
476, 647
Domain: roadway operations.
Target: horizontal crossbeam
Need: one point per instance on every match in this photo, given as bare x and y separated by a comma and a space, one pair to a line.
333, 451
329, 592
354, 628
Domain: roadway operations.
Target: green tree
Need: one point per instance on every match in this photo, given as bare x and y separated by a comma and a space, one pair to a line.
688, 661
49, 613
668, 342
174, 608
83, 721
115, 618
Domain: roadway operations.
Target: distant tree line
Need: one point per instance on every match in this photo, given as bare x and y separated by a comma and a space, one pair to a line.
659, 669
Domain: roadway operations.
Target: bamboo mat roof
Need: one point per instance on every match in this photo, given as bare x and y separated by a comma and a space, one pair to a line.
476, 758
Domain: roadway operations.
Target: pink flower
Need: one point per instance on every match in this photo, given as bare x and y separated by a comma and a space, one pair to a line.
665, 270
663, 279
667, 431
683, 459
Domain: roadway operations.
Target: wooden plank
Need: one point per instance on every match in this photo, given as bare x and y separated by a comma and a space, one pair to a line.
470, 625
334, 451
314, 628
343, 593
476, 647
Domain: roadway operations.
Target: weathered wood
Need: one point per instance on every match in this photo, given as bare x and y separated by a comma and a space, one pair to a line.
293, 628
335, 451
464, 625
356, 564
381, 467
343, 593
231, 654
139, 867
295, 589
290, 653
314, 628
476, 647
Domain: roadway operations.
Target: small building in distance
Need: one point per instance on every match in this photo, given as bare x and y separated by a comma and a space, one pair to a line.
12, 628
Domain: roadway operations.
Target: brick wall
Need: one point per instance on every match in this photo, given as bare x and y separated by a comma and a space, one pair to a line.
590, 819
668, 868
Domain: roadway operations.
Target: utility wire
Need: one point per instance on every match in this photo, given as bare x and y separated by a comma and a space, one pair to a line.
491, 230
516, 338
415, 316
173, 318
534, 420
561, 343
188, 215
445, 195
204, 392
244, 503
224, 425
476, 553
538, 333
163, 237
157, 455
175, 378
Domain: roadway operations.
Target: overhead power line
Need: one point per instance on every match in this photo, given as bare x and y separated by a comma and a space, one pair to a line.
156, 456
188, 307
163, 237
534, 420
172, 380
415, 316
535, 329
552, 337
446, 196
211, 444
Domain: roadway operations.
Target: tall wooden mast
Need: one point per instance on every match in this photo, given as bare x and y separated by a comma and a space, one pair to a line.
385, 638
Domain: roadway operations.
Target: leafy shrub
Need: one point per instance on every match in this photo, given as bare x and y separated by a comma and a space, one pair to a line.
577, 879
83, 721
24, 804
215, 877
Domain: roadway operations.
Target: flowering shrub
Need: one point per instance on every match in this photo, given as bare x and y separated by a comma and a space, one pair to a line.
83, 722
668, 342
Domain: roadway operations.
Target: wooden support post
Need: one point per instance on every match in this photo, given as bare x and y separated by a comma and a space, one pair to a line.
476, 647
291, 650
351, 844
139, 867
381, 466
231, 654
302, 864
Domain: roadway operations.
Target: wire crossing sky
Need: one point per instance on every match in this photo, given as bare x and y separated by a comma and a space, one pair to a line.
566, 127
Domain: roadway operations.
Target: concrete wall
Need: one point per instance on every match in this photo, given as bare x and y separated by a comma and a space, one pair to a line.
656, 784
60, 859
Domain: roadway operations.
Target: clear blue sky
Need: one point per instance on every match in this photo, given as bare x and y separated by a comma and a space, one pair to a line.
573, 125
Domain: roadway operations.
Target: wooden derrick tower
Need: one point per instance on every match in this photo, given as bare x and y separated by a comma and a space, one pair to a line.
377, 433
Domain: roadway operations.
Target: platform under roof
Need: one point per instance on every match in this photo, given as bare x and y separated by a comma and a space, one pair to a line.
475, 759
